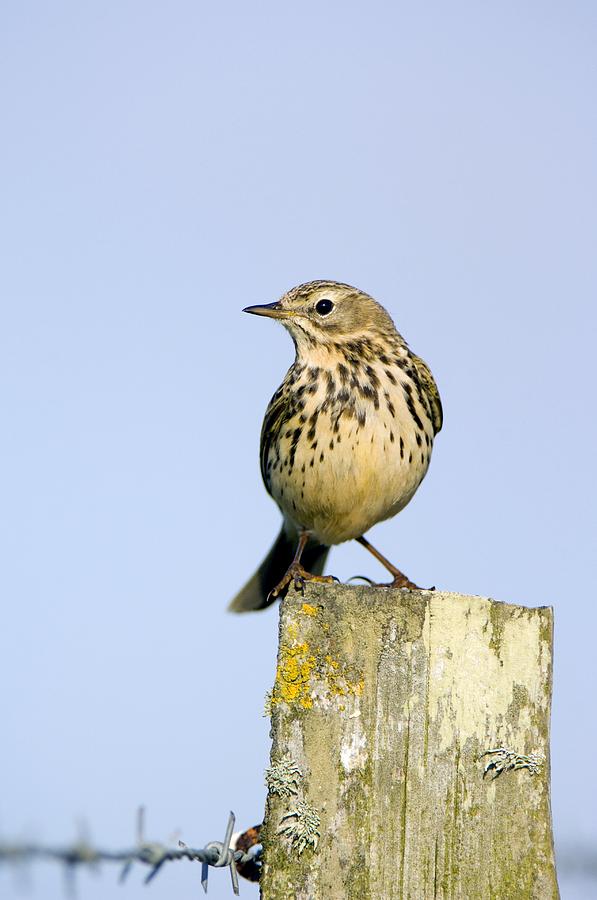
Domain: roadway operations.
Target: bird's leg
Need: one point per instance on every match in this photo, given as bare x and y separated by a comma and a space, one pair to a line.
400, 580
297, 573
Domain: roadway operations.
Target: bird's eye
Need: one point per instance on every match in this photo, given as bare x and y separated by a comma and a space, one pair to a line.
324, 307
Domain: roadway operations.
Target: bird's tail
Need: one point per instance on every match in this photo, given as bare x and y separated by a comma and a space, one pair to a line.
256, 591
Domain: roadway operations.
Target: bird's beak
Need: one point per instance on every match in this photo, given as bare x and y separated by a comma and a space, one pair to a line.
272, 310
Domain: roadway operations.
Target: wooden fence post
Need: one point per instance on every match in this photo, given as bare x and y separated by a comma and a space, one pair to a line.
387, 709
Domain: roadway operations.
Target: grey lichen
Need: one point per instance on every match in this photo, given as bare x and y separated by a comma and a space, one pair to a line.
506, 760
301, 825
283, 777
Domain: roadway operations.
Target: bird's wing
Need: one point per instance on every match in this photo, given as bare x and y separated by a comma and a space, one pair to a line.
428, 384
275, 416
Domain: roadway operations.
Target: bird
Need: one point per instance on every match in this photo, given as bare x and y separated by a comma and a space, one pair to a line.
347, 437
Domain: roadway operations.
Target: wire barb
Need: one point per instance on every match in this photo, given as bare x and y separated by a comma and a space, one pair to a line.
226, 857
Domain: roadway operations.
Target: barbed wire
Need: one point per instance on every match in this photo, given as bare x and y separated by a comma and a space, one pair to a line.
572, 859
218, 854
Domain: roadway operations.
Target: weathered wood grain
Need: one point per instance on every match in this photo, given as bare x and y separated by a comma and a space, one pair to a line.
385, 702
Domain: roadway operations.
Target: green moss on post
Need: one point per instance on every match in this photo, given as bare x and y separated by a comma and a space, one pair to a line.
385, 702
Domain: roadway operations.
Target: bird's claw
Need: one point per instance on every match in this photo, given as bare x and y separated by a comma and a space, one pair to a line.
299, 576
402, 582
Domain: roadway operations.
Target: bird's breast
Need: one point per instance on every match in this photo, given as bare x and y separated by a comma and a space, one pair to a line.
351, 452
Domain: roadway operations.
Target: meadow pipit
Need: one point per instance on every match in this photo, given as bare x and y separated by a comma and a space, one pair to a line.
346, 438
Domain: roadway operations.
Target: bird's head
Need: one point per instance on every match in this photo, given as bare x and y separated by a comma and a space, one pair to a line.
322, 313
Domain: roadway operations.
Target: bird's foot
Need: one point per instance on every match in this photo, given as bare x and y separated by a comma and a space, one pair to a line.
401, 581
298, 575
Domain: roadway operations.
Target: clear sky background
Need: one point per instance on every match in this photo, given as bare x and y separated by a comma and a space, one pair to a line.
164, 165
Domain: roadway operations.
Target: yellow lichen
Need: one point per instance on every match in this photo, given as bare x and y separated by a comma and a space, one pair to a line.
340, 680
302, 672
293, 675
309, 610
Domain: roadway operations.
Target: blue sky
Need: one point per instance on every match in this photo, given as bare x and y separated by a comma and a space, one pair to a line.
165, 165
